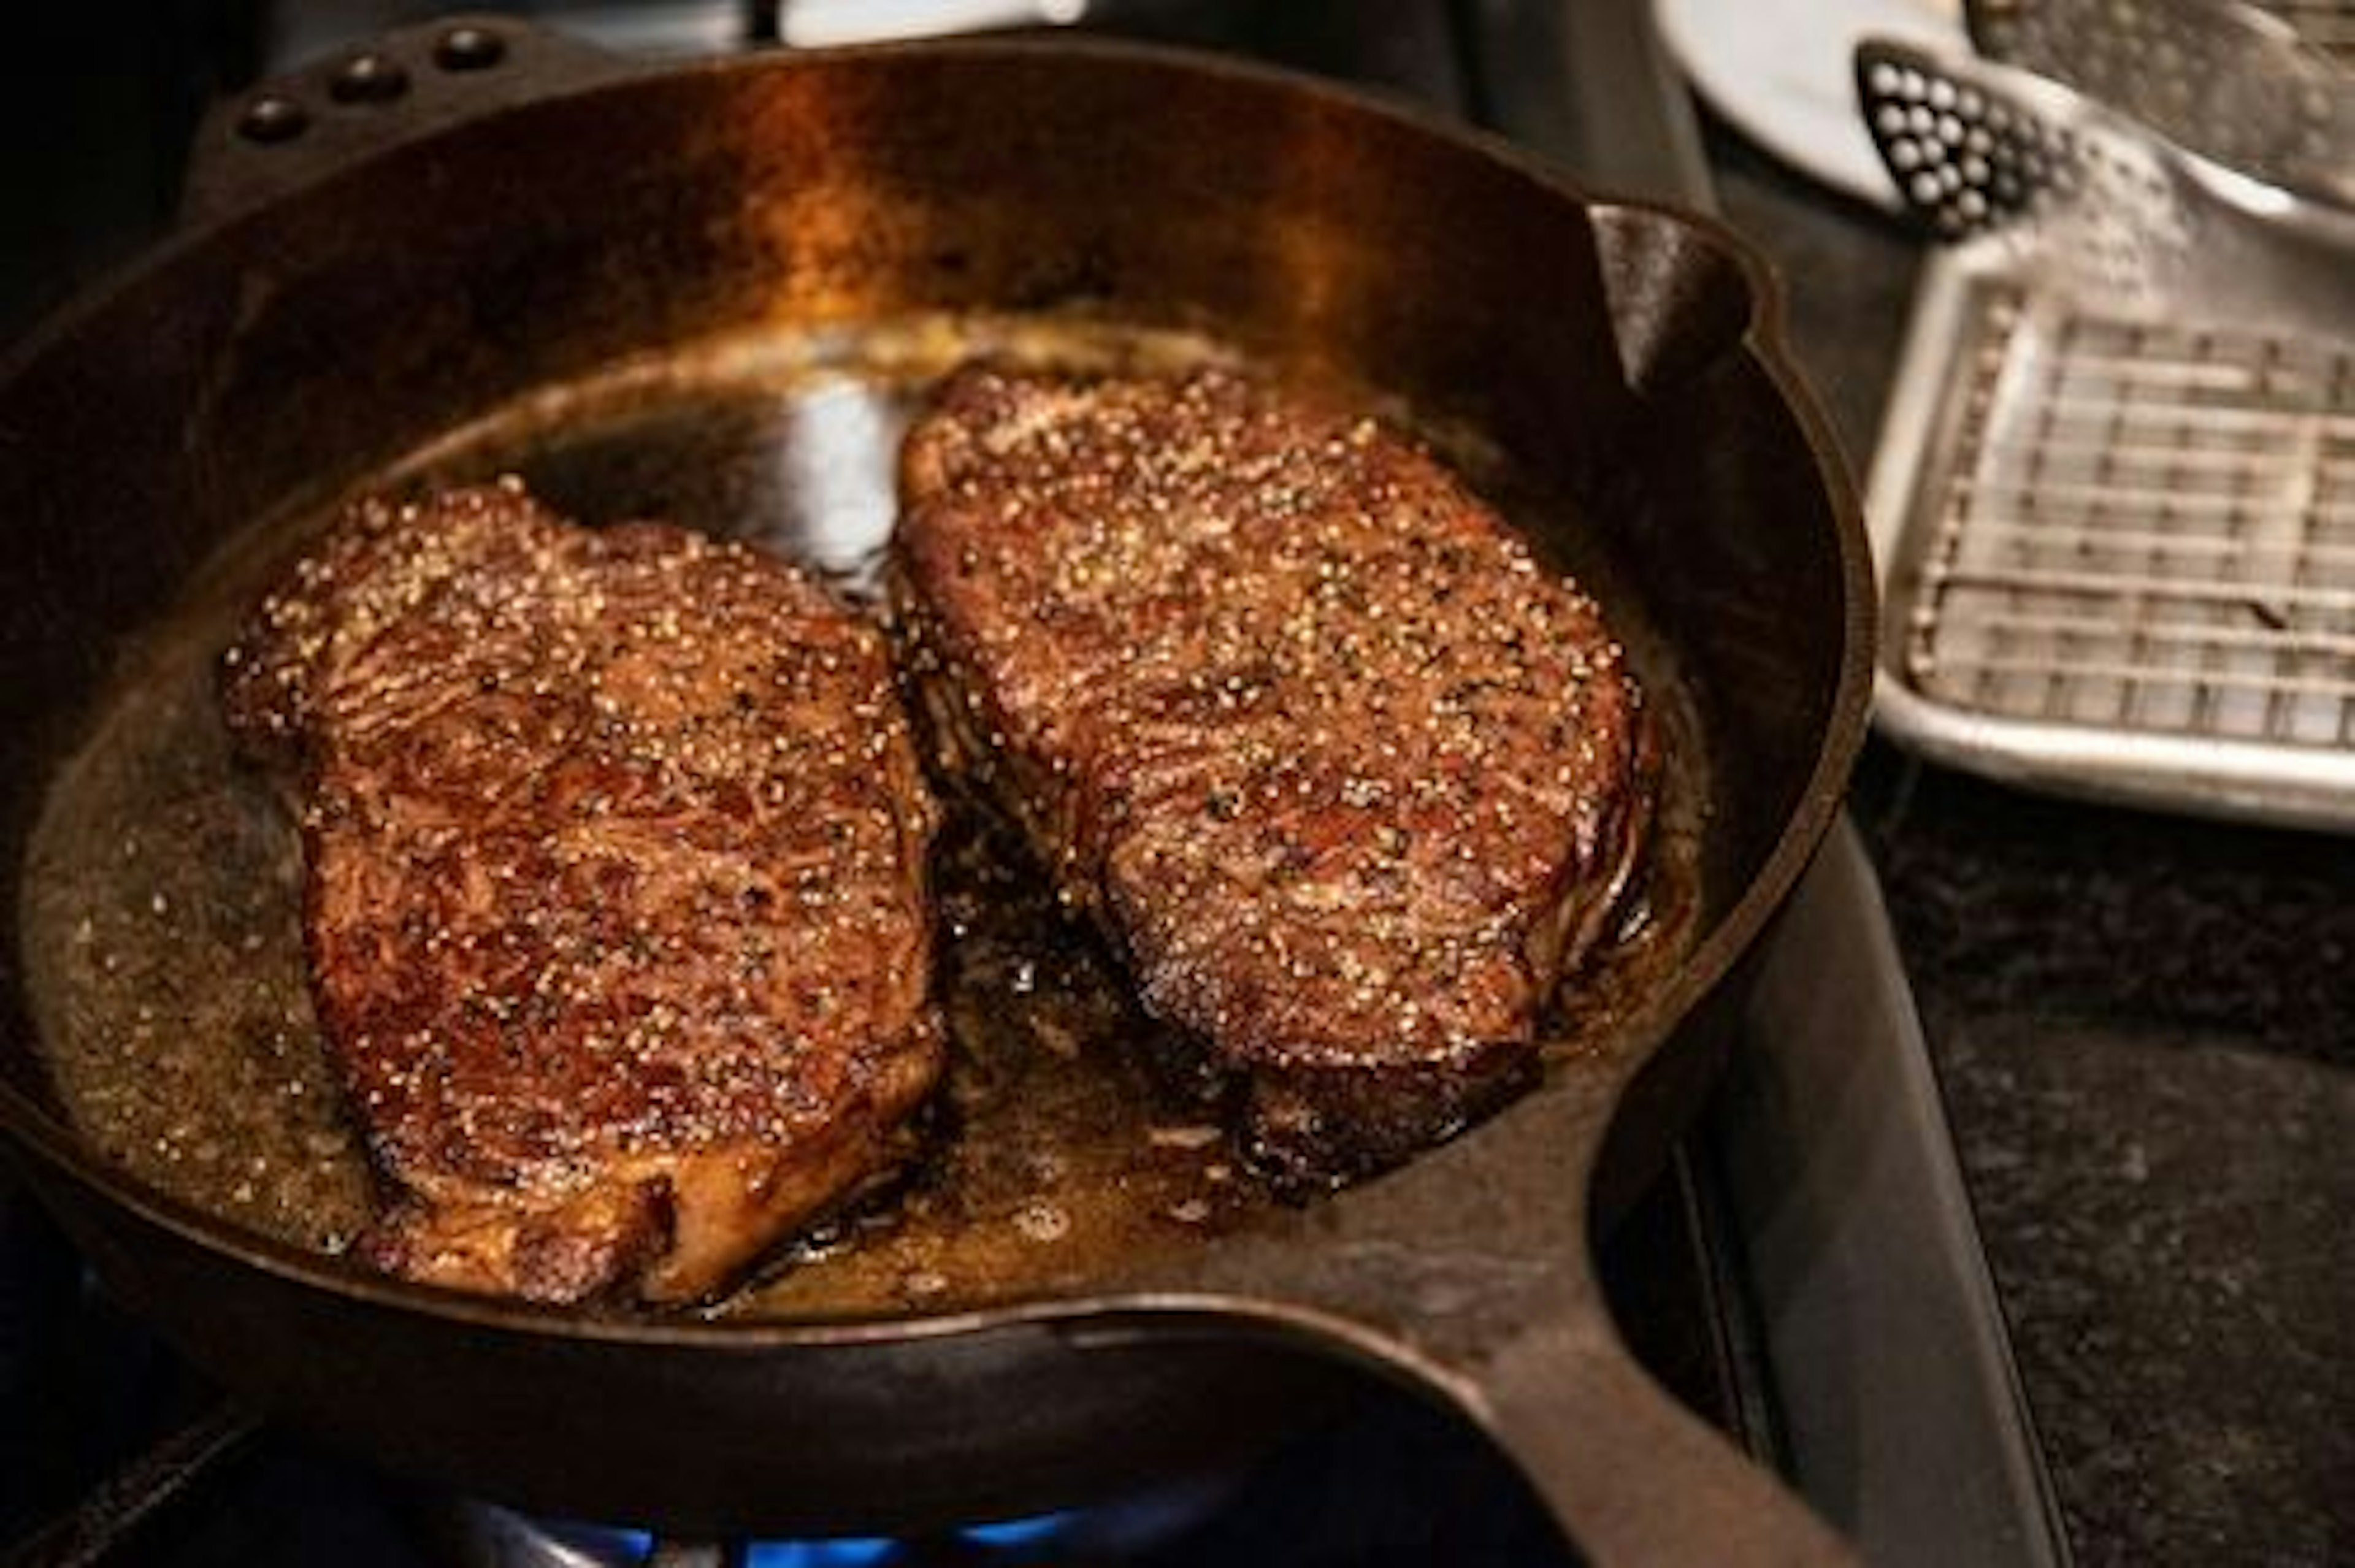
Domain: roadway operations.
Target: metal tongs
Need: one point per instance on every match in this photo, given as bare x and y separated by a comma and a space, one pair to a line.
2223, 80
2092, 201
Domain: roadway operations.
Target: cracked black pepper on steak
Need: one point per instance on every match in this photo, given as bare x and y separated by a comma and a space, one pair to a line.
1350, 779
615, 903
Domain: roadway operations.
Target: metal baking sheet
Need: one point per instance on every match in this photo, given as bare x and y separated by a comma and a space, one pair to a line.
2117, 554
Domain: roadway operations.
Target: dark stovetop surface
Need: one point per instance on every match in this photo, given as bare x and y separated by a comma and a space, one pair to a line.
2143, 1030
2144, 1026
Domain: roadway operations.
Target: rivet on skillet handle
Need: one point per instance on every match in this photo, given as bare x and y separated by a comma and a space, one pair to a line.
409, 83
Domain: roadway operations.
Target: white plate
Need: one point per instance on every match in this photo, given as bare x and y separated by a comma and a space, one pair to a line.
1782, 71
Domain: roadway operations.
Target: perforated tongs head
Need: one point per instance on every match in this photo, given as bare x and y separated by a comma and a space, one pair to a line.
2089, 202
1968, 150
2223, 80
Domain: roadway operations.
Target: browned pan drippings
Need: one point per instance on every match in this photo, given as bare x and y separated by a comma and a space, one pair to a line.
162, 910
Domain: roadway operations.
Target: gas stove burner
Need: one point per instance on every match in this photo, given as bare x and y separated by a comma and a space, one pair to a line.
1391, 1482
484, 1535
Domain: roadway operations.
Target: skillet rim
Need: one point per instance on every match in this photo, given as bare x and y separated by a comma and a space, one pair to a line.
34, 1129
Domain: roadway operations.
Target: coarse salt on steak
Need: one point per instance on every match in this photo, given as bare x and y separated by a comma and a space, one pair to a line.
1351, 778
615, 903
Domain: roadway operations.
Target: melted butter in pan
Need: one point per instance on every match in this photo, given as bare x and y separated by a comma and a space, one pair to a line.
163, 908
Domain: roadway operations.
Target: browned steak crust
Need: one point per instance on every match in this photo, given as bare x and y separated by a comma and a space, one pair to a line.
1351, 779
615, 906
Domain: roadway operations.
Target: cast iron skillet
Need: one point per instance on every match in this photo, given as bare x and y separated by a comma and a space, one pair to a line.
442, 269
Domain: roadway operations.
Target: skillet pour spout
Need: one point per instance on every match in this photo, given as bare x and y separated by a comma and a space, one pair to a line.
772, 257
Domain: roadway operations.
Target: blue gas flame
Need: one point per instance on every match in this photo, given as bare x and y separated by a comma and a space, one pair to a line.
879, 1551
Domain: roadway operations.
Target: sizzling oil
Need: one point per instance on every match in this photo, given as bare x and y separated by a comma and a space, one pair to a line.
162, 900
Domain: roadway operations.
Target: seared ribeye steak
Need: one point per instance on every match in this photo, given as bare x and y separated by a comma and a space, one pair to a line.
615, 903
1349, 777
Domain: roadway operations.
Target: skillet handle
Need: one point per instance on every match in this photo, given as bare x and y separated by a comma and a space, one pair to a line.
339, 111
1632, 1477
1469, 1277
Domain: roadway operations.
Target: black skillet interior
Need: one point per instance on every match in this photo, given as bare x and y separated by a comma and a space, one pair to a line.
325, 329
